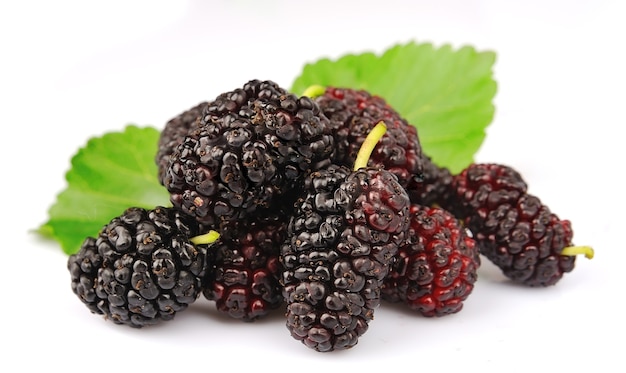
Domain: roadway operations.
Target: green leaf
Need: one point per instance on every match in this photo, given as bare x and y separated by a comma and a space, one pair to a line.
109, 174
446, 93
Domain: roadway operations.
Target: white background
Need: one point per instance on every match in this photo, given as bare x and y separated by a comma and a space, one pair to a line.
75, 69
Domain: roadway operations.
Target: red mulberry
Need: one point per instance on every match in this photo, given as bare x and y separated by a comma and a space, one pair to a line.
245, 283
353, 114
436, 269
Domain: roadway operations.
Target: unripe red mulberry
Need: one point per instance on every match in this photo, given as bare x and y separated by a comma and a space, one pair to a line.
436, 269
245, 282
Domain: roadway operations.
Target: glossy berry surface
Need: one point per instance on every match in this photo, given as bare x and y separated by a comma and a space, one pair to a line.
245, 282
341, 240
513, 228
173, 134
435, 186
251, 146
141, 268
435, 271
353, 114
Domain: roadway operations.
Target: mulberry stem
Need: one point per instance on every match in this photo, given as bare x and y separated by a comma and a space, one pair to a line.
575, 250
205, 239
368, 145
314, 91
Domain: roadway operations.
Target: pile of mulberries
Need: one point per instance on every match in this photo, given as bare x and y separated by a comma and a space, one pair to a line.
323, 206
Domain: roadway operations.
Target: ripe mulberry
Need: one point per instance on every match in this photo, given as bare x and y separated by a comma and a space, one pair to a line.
141, 268
436, 269
353, 114
435, 186
513, 228
341, 241
251, 146
173, 134
245, 283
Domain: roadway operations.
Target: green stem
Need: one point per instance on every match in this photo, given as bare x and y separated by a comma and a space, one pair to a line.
576, 250
205, 239
314, 91
368, 145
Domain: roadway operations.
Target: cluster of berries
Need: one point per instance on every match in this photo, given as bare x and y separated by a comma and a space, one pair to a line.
323, 203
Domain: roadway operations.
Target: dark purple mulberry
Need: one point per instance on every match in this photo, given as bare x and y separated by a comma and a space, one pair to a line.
435, 186
251, 146
353, 114
513, 228
245, 284
173, 134
141, 268
342, 238
436, 269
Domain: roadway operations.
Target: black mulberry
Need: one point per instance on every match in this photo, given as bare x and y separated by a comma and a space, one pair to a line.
141, 268
513, 228
173, 134
436, 269
435, 186
251, 146
342, 239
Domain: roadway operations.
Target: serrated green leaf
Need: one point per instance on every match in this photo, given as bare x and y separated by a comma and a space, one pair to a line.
109, 174
445, 93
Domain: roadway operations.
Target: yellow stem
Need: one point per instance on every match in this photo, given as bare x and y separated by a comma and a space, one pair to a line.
368, 145
205, 239
576, 250
314, 91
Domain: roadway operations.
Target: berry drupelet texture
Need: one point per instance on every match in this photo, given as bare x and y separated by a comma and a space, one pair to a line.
435, 186
173, 134
141, 268
435, 271
353, 114
341, 241
251, 146
245, 283
513, 228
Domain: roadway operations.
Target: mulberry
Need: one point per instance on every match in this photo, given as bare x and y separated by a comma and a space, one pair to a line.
252, 145
513, 228
141, 268
245, 283
341, 241
173, 134
435, 186
436, 269
353, 114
